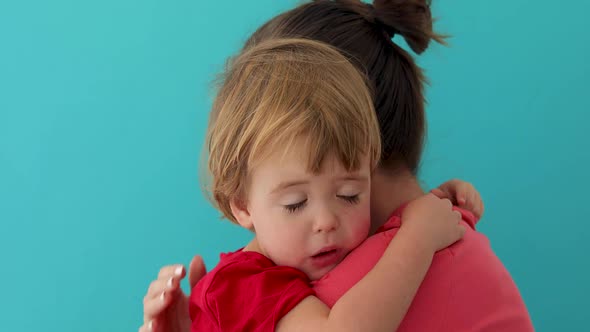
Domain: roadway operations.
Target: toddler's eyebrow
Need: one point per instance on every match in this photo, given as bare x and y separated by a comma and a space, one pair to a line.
287, 184
360, 178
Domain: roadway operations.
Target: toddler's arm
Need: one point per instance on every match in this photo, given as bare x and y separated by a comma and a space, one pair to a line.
380, 300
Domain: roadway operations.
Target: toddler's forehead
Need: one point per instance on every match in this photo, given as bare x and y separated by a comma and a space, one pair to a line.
304, 159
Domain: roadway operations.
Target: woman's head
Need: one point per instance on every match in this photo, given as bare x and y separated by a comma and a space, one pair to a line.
363, 32
292, 141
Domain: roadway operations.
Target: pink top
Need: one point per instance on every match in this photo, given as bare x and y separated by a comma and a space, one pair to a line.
467, 288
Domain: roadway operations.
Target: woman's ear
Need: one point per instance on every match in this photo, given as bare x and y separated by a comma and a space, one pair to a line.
239, 209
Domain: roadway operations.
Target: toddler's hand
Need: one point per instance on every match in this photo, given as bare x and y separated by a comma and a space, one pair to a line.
462, 194
433, 222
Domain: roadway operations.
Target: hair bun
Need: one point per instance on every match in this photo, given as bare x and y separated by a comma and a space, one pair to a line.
409, 18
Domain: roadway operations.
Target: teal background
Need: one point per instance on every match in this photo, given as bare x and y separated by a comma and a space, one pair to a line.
103, 107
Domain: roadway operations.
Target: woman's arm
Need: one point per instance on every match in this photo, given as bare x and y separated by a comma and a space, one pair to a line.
165, 306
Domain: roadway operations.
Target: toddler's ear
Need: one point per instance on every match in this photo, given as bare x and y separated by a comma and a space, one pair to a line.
239, 209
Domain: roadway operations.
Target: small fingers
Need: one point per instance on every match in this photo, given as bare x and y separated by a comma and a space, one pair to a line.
447, 203
462, 201
465, 193
461, 231
439, 193
475, 205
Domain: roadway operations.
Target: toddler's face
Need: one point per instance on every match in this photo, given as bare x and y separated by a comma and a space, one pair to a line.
308, 221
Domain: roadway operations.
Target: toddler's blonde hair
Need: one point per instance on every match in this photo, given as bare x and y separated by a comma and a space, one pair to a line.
283, 91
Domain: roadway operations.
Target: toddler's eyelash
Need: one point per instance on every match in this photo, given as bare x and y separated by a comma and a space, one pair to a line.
354, 199
291, 208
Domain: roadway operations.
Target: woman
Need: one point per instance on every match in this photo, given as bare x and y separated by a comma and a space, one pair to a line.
465, 289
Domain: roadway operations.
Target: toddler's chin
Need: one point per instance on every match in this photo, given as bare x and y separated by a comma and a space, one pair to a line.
318, 274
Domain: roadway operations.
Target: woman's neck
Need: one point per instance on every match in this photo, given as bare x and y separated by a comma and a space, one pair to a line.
389, 190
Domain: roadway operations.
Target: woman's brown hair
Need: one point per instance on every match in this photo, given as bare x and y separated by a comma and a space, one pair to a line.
364, 33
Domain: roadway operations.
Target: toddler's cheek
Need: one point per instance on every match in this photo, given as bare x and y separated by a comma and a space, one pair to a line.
361, 232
